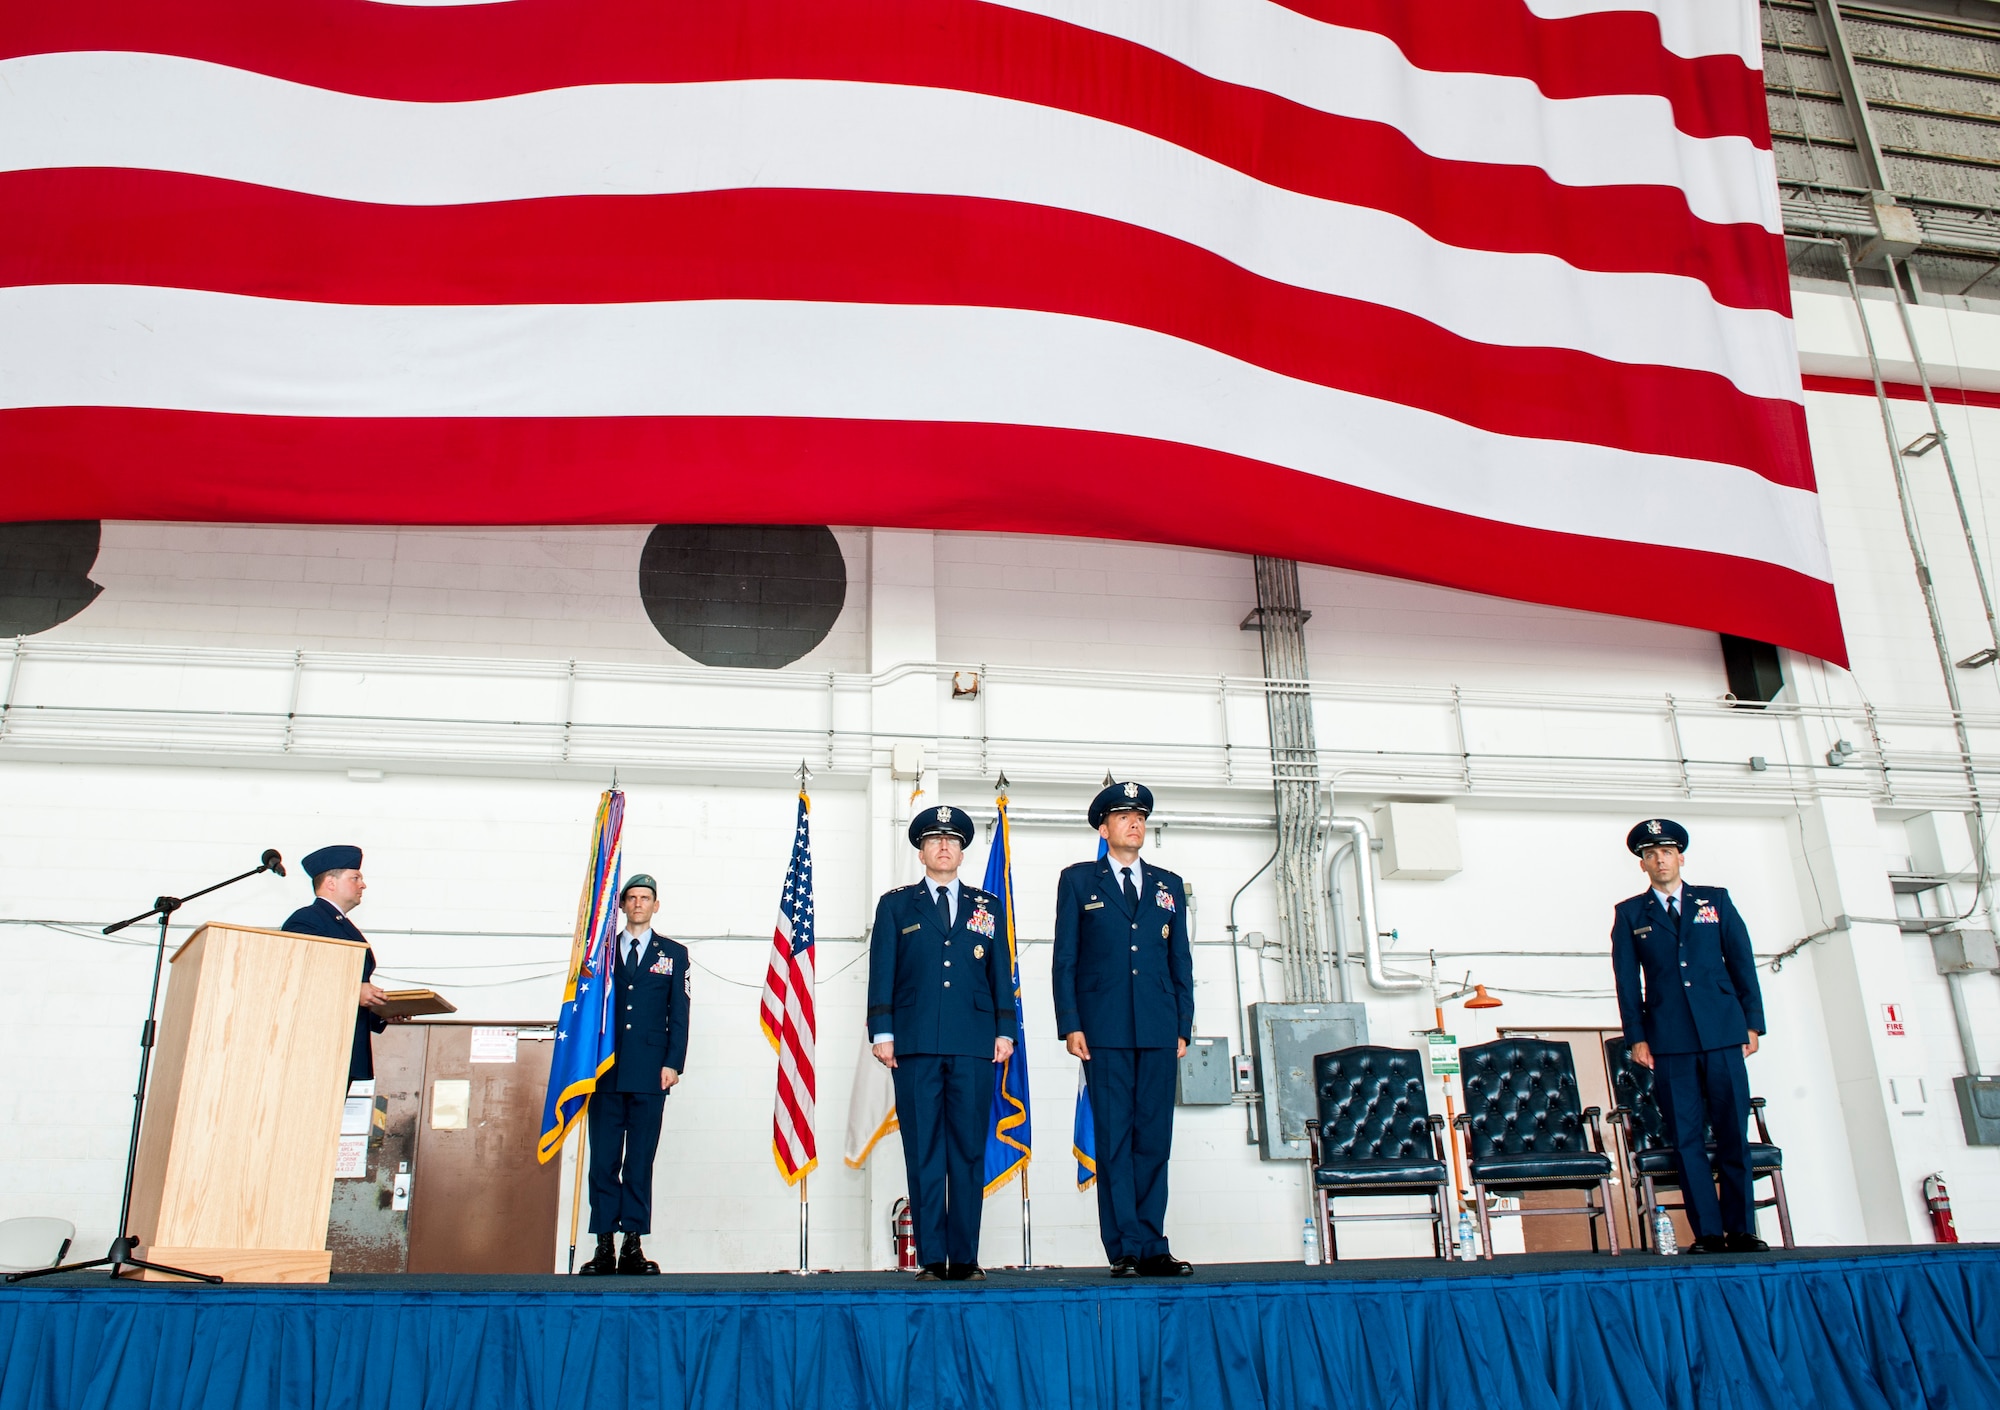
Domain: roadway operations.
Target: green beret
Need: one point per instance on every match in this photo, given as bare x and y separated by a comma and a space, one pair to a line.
639, 879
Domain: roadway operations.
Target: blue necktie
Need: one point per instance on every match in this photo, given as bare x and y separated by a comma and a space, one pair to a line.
944, 907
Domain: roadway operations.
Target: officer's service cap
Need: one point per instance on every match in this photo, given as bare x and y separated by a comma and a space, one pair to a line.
941, 821
1120, 798
332, 859
638, 879
1656, 832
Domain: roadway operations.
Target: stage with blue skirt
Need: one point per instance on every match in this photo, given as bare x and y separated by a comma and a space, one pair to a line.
1885, 1329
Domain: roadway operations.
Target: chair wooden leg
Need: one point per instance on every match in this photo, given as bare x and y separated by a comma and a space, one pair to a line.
1610, 1223
1784, 1210
1485, 1224
1323, 1207
1440, 1228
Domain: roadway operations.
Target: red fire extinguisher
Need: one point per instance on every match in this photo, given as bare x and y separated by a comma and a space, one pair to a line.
904, 1228
1938, 1200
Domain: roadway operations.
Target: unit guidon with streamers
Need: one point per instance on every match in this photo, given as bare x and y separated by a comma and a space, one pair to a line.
1489, 293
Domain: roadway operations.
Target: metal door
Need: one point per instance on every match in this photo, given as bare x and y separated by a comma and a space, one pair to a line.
480, 1202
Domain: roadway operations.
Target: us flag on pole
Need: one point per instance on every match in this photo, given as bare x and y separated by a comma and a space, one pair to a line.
787, 1011
1486, 293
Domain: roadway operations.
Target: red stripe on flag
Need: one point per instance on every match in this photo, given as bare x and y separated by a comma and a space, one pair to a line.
1580, 56
160, 228
90, 462
484, 51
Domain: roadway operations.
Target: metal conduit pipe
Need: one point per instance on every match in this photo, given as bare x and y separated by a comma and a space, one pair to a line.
1361, 846
1065, 817
1338, 902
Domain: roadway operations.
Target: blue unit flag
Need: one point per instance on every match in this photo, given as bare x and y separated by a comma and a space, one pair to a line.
585, 1046
1009, 1138
1083, 1132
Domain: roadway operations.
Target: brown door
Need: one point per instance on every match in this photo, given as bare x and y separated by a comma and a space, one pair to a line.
479, 1200
1593, 1084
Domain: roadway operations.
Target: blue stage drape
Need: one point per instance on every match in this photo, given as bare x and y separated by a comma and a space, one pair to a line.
1885, 1332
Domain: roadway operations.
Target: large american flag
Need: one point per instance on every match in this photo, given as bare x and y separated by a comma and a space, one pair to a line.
1489, 293
786, 1011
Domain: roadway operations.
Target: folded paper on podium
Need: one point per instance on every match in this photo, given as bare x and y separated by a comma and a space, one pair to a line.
235, 1171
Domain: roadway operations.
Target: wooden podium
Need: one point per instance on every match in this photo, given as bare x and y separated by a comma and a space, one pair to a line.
235, 1171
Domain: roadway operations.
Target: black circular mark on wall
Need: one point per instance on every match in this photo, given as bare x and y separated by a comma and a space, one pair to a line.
743, 595
45, 573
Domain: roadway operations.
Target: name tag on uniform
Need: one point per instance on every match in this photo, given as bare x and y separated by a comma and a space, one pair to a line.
909, 928
1093, 905
1641, 930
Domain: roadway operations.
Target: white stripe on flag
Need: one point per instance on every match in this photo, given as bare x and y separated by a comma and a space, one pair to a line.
172, 114
96, 345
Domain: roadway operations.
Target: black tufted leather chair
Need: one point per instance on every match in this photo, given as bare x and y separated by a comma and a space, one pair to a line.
1649, 1159
1526, 1129
1375, 1135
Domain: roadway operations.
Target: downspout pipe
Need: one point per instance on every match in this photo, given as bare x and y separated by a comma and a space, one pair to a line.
1361, 846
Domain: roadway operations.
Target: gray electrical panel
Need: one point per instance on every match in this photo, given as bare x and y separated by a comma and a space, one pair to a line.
1203, 1078
1965, 952
1284, 1040
1979, 1109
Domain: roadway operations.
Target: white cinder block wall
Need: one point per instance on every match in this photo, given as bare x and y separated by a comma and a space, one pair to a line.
473, 865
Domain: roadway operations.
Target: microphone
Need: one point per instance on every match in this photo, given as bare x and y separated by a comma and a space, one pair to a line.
273, 862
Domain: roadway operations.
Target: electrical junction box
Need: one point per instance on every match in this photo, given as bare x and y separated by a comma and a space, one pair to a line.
1246, 1072
1203, 1078
1979, 1109
1284, 1040
1419, 841
1965, 952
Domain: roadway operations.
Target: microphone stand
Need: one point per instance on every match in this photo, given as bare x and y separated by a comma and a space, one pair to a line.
119, 1257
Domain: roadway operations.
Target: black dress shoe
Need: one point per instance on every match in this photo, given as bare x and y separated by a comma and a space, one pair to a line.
1746, 1243
1711, 1243
931, 1273
1126, 1267
1164, 1265
632, 1260
604, 1261
966, 1273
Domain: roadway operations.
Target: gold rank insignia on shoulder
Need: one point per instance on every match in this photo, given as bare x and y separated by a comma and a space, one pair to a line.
979, 952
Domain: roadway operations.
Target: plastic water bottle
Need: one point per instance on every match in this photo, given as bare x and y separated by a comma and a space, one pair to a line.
1311, 1240
1664, 1241
1466, 1248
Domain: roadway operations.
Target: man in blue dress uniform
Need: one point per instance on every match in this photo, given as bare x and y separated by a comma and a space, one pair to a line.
650, 992
940, 1015
337, 888
1692, 1011
1124, 991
